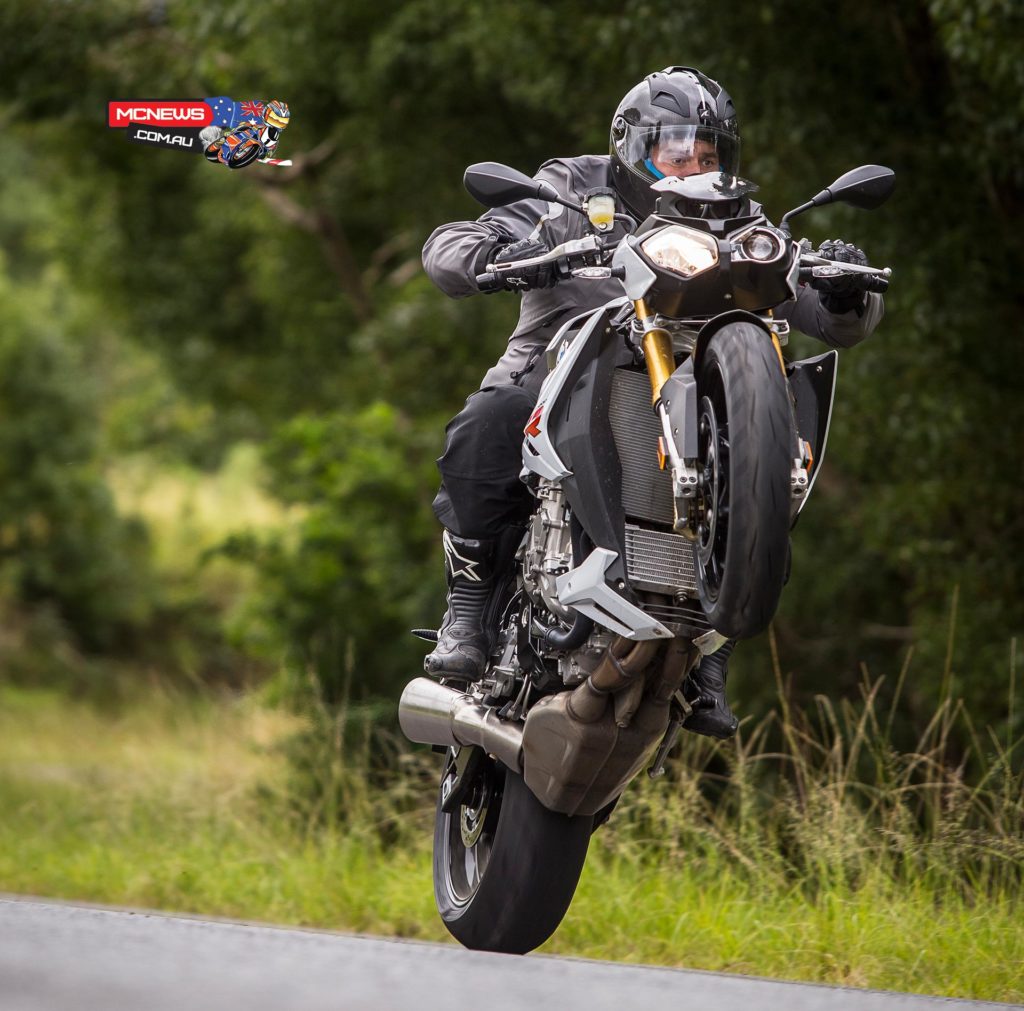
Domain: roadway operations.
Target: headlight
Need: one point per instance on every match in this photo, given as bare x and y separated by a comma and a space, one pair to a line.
682, 250
761, 246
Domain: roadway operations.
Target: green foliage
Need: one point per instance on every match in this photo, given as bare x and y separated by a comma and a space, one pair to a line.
61, 540
78, 577
288, 308
349, 580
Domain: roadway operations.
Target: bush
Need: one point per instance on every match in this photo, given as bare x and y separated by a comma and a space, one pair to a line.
363, 564
62, 543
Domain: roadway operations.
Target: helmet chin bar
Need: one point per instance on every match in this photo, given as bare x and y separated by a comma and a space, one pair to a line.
715, 195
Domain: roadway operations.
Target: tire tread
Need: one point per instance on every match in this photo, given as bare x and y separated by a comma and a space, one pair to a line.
760, 439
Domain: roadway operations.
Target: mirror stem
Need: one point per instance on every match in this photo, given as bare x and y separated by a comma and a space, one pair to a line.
824, 197
784, 223
565, 203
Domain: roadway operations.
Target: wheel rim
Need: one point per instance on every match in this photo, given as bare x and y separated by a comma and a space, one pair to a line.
713, 487
468, 833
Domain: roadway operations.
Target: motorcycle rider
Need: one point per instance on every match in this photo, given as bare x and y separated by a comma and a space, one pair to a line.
276, 116
675, 122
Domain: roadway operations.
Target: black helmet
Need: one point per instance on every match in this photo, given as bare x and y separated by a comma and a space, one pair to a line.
679, 107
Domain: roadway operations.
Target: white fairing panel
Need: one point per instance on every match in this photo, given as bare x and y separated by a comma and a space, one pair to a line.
639, 277
586, 589
539, 454
556, 341
793, 278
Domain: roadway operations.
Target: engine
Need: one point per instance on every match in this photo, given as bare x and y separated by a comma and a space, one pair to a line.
548, 551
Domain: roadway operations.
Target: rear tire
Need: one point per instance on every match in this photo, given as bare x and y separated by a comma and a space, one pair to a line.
510, 887
746, 440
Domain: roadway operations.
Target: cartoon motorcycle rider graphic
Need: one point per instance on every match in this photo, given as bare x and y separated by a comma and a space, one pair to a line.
255, 138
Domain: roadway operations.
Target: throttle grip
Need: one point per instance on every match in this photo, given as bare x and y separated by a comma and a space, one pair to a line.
489, 282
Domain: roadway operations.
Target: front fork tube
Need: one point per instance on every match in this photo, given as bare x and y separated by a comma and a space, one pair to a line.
661, 366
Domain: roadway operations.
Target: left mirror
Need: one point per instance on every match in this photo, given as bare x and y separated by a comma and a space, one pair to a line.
866, 187
495, 185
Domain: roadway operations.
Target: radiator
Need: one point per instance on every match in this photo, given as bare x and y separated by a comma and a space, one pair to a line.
660, 561
646, 489
657, 560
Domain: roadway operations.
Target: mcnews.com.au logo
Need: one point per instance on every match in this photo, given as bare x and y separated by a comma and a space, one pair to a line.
225, 132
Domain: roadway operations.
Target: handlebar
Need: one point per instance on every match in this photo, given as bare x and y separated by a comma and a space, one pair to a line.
495, 280
585, 258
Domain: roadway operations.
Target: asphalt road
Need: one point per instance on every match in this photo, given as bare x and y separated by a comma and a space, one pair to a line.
56, 956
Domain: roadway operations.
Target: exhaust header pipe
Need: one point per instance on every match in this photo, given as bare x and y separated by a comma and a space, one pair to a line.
431, 713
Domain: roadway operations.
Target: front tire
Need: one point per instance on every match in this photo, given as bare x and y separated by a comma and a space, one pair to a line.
746, 442
505, 867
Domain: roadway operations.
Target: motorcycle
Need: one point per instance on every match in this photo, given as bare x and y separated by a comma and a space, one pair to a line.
247, 143
671, 450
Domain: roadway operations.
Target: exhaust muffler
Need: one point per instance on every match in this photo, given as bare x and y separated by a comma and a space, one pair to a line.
577, 750
431, 713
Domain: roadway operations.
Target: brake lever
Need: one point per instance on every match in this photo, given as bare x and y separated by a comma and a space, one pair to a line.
840, 266
574, 247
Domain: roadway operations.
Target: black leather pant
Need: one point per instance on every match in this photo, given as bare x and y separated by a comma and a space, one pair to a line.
481, 494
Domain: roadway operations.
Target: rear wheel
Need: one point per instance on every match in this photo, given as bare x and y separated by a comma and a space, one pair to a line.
745, 444
505, 867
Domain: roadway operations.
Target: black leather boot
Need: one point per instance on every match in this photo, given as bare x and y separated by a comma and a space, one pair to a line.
704, 689
464, 639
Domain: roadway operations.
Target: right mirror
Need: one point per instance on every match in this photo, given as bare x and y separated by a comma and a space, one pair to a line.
495, 185
867, 187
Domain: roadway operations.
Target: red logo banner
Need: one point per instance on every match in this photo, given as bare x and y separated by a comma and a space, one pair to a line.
121, 114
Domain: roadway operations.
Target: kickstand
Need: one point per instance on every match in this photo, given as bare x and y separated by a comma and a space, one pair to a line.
671, 735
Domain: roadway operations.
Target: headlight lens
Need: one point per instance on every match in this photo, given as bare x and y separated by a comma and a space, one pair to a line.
761, 246
682, 250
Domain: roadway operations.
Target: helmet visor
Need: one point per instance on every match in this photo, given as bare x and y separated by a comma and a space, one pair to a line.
659, 151
276, 114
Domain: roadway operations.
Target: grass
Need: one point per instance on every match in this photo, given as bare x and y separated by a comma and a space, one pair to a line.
805, 850
180, 805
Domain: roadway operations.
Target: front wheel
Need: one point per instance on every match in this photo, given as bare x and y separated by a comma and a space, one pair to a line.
746, 442
505, 867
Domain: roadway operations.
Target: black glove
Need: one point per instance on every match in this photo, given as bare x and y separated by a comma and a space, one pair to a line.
844, 292
541, 276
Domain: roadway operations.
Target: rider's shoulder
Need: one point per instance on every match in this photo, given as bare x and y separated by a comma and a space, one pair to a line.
580, 171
